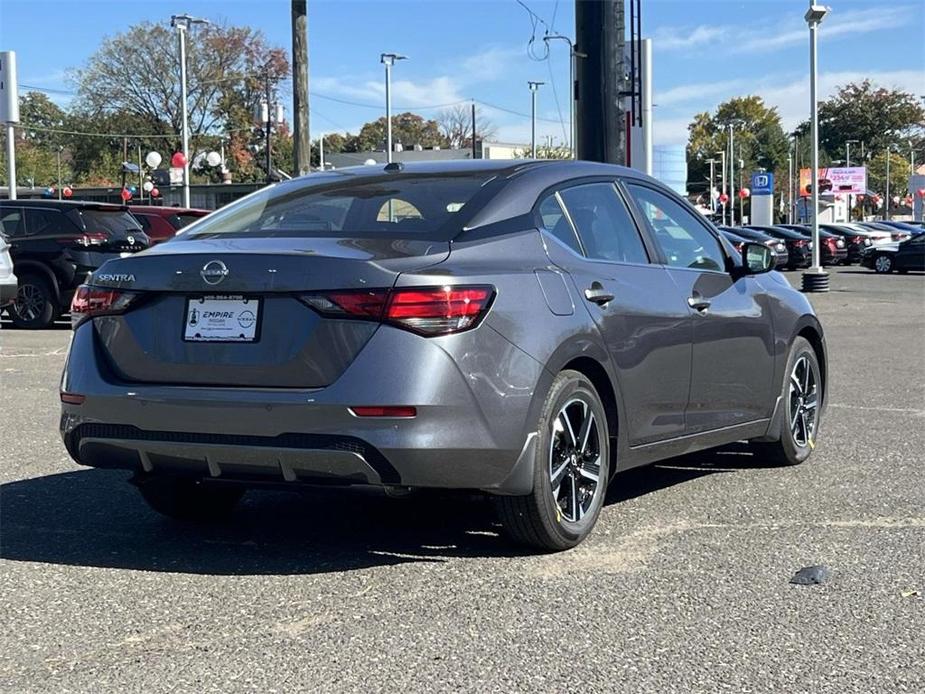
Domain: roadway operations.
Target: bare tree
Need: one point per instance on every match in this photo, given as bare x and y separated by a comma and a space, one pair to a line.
456, 125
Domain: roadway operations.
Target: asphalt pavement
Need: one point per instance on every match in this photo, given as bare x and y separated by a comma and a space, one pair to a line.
683, 587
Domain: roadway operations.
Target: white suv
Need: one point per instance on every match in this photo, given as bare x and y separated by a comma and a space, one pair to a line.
7, 278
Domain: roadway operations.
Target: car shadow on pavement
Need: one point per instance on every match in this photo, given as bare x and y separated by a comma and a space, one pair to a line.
95, 518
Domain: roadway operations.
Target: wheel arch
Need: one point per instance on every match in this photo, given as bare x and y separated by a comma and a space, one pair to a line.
810, 329
25, 267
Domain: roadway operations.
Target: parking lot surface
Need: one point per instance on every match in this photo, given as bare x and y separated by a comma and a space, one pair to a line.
683, 586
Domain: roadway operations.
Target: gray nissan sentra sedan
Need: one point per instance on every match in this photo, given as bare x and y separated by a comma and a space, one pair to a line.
526, 329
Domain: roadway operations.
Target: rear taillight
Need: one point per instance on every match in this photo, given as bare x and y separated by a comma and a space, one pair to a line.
799, 243
88, 238
427, 311
90, 301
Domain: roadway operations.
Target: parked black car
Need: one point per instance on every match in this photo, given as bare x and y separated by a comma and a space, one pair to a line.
55, 245
855, 241
901, 257
776, 245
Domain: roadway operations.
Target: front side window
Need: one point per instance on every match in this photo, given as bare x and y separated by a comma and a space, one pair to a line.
557, 224
604, 224
683, 239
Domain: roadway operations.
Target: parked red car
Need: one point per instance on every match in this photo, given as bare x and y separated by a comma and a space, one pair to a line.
162, 223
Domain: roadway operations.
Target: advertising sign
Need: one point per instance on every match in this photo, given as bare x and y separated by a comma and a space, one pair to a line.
847, 180
763, 183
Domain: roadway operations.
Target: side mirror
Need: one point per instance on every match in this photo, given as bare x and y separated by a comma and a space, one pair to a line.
757, 258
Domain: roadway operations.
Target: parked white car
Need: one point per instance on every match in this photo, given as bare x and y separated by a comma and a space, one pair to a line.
7, 278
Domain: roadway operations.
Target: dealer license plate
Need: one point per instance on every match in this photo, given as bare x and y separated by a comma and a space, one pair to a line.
221, 319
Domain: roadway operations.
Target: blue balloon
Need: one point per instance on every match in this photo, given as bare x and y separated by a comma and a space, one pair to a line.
133, 189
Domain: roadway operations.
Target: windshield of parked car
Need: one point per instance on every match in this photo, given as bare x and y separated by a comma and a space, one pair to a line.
402, 205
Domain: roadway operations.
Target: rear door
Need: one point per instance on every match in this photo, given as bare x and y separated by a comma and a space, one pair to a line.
638, 309
733, 368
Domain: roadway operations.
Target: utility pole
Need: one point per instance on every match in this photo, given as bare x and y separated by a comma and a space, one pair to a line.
269, 145
473, 130
600, 117
301, 142
573, 95
182, 23
534, 87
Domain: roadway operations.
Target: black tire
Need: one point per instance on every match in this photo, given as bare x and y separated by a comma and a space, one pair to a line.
540, 519
883, 264
188, 499
793, 447
36, 305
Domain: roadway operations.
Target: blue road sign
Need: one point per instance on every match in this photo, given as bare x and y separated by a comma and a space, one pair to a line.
762, 184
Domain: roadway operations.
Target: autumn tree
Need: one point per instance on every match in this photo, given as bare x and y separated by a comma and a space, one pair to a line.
456, 125
760, 141
408, 128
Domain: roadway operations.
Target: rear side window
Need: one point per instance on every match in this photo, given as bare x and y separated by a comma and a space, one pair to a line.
683, 239
389, 205
45, 222
557, 224
12, 223
181, 220
144, 220
605, 226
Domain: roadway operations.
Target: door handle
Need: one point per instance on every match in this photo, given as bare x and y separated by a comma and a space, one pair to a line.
596, 294
698, 303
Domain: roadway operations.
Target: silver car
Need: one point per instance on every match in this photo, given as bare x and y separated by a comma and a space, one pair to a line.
8, 281
525, 329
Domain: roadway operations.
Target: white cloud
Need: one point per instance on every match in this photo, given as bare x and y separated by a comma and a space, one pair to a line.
680, 38
489, 64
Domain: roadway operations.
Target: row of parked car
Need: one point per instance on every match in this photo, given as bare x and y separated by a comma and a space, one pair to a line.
48, 248
883, 246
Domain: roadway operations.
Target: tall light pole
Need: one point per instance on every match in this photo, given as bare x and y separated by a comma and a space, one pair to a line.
388, 59
815, 279
722, 187
887, 201
182, 23
790, 187
711, 161
848, 144
534, 87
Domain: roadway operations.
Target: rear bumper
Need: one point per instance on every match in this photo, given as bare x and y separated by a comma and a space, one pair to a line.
471, 431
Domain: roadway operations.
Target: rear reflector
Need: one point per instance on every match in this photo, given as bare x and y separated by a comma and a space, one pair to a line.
90, 301
391, 411
73, 398
425, 310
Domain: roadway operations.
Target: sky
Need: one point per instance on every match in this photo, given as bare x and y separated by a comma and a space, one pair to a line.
704, 51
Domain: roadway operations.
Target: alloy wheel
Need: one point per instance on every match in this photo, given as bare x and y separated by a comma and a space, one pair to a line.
883, 264
803, 402
30, 302
575, 459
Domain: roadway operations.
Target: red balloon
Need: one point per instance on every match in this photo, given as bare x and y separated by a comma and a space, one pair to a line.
126, 194
723, 198
921, 192
860, 196
67, 192
744, 193
155, 192
178, 160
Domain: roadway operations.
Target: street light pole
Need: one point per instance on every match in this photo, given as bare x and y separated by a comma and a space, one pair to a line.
182, 23
848, 165
573, 54
886, 203
58, 153
711, 161
388, 59
534, 87
790, 187
722, 187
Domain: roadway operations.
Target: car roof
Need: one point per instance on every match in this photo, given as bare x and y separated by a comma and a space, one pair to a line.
64, 204
166, 211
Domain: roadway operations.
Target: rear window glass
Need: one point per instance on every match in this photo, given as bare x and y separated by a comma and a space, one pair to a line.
389, 205
108, 220
181, 220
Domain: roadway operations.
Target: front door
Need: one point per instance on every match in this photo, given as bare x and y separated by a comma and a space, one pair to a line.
732, 376
641, 315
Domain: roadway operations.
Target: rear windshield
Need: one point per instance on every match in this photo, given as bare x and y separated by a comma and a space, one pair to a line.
390, 205
113, 221
183, 218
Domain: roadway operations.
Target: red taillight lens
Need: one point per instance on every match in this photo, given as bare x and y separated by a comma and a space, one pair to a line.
73, 398
424, 310
388, 411
438, 310
89, 238
90, 301
799, 242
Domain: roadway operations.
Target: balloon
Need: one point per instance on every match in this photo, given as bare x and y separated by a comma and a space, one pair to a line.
67, 192
48, 192
153, 160
921, 192
213, 158
155, 192
723, 198
178, 160
147, 186
744, 193
895, 199
125, 194
132, 189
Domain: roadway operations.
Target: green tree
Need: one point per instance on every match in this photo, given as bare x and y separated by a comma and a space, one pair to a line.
407, 128
760, 141
899, 174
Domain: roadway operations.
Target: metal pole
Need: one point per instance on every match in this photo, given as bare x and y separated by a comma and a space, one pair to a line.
646, 89
321, 152
181, 32
723, 183
269, 146
11, 159
473, 130
534, 87
732, 175
790, 188
814, 166
141, 177
886, 203
741, 199
711, 162
388, 111
60, 194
